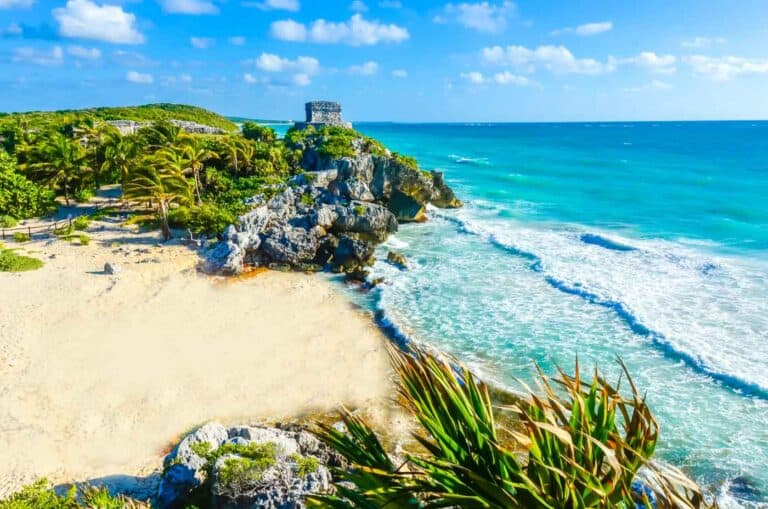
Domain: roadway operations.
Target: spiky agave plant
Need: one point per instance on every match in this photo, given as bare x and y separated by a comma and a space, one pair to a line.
577, 445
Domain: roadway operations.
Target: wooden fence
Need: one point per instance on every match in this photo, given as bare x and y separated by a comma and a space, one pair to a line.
44, 229
41, 229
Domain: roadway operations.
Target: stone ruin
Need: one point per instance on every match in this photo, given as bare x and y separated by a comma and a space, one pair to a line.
322, 113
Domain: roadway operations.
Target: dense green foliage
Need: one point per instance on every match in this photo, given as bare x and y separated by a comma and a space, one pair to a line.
333, 141
144, 113
40, 495
579, 444
256, 132
20, 198
188, 181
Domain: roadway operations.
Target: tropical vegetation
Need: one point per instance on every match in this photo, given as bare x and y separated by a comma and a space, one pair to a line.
576, 443
185, 181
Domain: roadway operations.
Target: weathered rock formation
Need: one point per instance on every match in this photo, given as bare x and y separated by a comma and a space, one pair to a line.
333, 215
246, 467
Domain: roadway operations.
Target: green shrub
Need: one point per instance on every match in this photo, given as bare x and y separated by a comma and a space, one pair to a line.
84, 195
84, 239
104, 212
64, 231
19, 197
305, 464
207, 218
359, 210
8, 222
10, 261
40, 496
81, 222
256, 132
407, 161
21, 237
306, 199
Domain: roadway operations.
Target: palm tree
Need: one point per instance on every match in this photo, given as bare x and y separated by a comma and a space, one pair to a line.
247, 153
162, 134
59, 161
120, 155
159, 186
196, 153
94, 134
232, 147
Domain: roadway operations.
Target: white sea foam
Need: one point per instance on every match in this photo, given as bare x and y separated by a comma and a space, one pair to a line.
707, 309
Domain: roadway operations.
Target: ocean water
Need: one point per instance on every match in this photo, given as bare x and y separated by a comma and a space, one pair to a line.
643, 241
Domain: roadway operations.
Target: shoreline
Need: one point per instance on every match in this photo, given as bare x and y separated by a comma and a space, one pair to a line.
113, 368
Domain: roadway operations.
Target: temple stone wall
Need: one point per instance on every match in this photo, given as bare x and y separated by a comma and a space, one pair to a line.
322, 113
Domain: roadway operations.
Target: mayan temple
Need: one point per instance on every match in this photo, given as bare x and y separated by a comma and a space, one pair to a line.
322, 113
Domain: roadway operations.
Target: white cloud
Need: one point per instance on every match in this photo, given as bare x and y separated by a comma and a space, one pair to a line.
726, 68
88, 20
270, 62
653, 85
367, 69
507, 78
237, 40
55, 56
202, 42
587, 29
301, 79
275, 5
501, 78
358, 6
140, 78
702, 42
84, 53
357, 31
482, 16
400, 73
181, 78
12, 29
473, 77
659, 64
249, 78
11, 4
189, 7
288, 30
132, 59
557, 59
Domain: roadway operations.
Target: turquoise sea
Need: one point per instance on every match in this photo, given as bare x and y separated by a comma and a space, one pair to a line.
644, 241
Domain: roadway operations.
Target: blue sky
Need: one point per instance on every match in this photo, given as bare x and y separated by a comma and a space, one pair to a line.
406, 60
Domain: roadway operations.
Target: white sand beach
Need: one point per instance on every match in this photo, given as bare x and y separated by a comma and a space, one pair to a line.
100, 373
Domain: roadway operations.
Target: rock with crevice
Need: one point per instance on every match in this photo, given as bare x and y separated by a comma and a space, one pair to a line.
247, 467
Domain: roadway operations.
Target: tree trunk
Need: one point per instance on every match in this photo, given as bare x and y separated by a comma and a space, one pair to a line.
166, 228
66, 193
198, 198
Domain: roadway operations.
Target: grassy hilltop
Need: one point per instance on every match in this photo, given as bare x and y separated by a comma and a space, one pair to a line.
143, 113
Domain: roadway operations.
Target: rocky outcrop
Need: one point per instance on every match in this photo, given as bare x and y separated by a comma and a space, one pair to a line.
332, 215
131, 126
246, 467
397, 259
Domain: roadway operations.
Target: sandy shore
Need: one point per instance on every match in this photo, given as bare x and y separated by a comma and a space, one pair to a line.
99, 373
